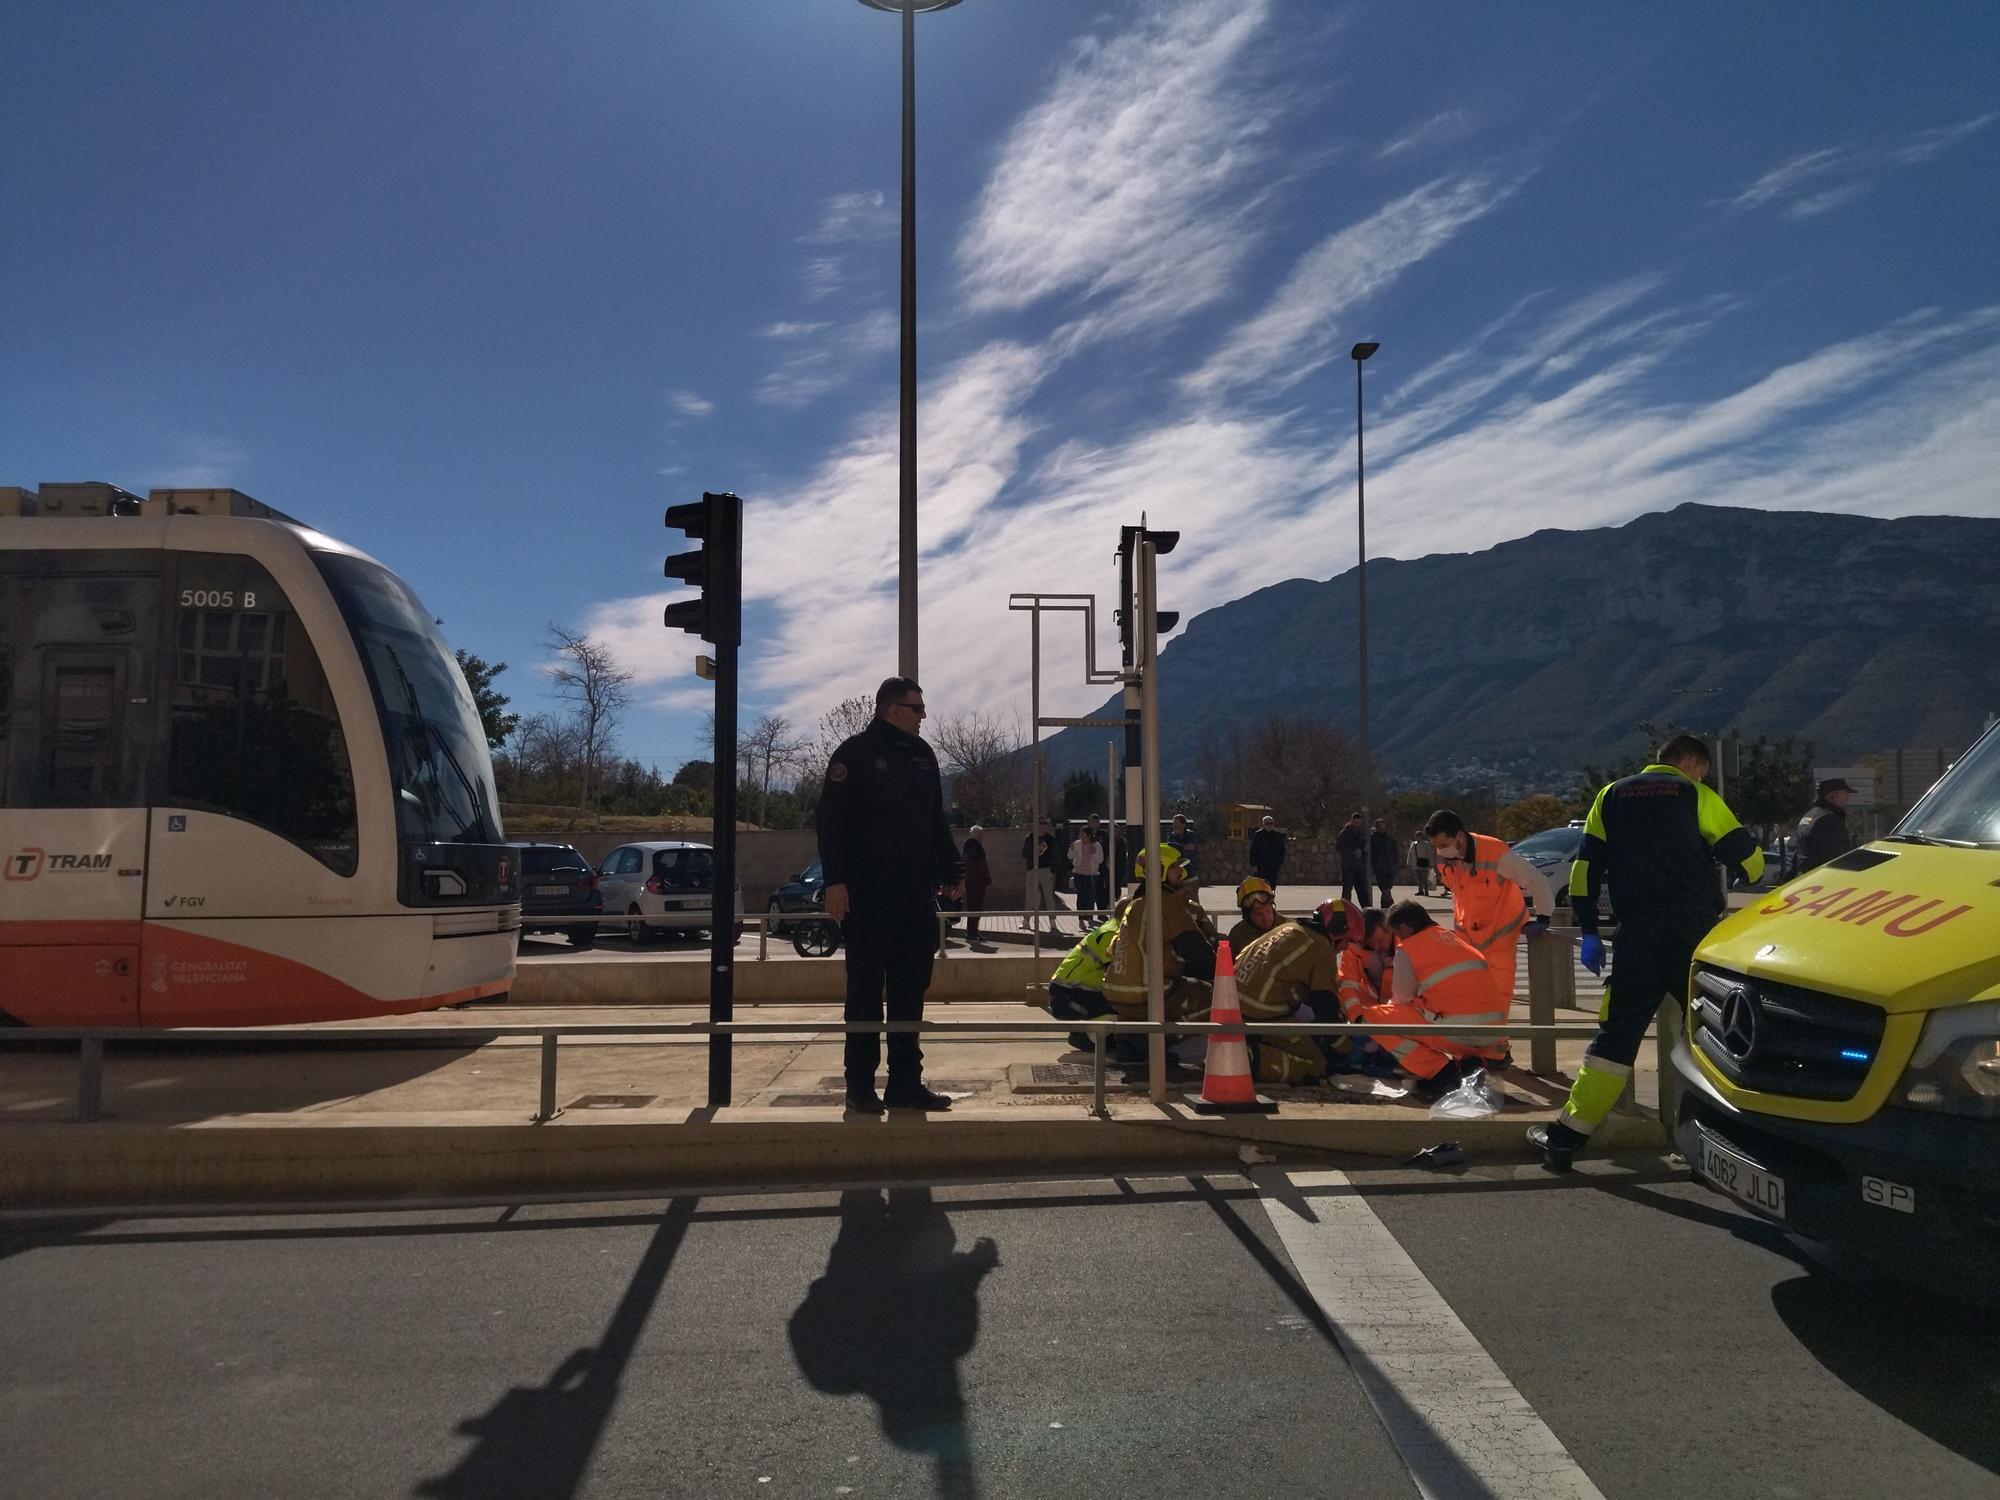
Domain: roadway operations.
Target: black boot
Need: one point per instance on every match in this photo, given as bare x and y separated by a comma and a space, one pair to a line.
912, 1094
1557, 1143
862, 1098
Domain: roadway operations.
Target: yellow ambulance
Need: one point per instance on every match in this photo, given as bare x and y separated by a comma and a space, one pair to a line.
1841, 1058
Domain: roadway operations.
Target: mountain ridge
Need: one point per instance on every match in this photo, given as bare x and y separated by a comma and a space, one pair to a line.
1543, 653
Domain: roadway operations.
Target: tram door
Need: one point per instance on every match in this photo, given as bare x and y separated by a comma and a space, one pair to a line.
76, 721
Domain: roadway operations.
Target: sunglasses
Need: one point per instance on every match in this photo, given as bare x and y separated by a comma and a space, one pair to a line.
915, 708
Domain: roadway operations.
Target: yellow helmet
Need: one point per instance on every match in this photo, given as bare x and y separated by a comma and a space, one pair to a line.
1169, 857
1254, 886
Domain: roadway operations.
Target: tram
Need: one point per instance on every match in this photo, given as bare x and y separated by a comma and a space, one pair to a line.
242, 780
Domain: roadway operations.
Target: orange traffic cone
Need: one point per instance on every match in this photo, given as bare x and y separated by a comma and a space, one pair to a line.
1226, 1084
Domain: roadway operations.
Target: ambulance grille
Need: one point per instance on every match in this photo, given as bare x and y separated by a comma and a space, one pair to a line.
1780, 1039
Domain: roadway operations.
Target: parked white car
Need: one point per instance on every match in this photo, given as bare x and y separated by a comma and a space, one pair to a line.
1553, 851
665, 883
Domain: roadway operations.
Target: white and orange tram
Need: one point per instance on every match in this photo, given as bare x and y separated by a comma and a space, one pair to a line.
242, 780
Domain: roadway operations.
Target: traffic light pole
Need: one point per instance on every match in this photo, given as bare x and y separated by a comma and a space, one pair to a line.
1149, 738
716, 615
722, 903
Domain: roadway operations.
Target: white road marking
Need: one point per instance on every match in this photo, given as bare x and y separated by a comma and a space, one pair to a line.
1451, 1411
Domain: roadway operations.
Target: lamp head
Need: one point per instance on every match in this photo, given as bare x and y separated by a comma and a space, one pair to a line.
1358, 353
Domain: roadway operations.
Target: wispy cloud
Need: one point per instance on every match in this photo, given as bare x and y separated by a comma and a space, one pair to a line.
202, 461
1295, 333
1447, 128
831, 358
1122, 187
690, 404
854, 216
1119, 196
1817, 182
824, 275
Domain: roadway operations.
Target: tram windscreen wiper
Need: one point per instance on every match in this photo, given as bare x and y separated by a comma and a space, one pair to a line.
475, 795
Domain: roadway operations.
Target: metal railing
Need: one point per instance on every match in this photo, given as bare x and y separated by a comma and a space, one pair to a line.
1036, 924
89, 1094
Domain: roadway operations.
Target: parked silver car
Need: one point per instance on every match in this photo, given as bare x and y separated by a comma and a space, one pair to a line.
665, 883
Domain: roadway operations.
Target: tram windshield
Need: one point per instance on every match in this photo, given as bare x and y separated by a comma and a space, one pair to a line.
437, 749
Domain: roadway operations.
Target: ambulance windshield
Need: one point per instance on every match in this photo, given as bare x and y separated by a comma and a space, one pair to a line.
1964, 807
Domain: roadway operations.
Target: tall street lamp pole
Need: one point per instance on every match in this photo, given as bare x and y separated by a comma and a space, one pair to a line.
1359, 354
906, 553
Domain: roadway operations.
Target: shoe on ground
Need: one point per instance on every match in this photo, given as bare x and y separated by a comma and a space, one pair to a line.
914, 1096
1440, 1083
1557, 1143
1444, 1154
864, 1101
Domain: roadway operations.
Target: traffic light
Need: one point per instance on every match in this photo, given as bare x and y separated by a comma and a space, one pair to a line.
715, 568
1128, 558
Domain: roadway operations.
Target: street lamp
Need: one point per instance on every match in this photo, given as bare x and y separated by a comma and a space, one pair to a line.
1360, 354
906, 569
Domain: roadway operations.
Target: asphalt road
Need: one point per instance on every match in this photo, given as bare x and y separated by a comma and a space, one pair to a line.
1165, 1336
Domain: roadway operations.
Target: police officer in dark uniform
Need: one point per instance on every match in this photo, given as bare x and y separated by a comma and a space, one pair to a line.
1655, 839
885, 846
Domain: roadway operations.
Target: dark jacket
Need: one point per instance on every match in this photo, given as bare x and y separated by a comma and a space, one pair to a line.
1821, 836
978, 878
1267, 852
1655, 839
1351, 845
1045, 858
1382, 855
881, 812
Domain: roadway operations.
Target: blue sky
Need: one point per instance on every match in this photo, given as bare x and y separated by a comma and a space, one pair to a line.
482, 288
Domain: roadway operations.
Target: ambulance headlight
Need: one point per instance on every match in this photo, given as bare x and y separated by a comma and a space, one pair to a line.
1956, 1067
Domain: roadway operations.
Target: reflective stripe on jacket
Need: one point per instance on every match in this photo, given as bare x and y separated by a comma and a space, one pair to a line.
1356, 987
1454, 982
1486, 906
1084, 965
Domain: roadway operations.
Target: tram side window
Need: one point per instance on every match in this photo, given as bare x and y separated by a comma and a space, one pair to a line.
76, 709
256, 732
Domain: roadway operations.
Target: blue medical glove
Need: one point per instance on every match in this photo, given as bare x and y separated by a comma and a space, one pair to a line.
1536, 926
1590, 953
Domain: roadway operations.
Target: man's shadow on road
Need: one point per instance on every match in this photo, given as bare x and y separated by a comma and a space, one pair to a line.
896, 1310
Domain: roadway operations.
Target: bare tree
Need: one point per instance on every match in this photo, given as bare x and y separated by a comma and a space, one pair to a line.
587, 677
842, 722
770, 746
982, 755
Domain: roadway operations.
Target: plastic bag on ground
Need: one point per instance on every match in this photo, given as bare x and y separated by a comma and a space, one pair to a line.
1473, 1099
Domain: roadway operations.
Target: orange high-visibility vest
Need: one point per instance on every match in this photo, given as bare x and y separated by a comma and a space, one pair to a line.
1453, 980
1486, 906
1356, 987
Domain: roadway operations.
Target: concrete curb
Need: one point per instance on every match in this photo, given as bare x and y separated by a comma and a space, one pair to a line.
794, 982
287, 1158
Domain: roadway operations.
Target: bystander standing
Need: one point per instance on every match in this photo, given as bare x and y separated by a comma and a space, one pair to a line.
978, 881
886, 849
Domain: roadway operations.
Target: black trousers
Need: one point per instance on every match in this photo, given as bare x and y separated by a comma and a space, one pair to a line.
891, 936
1353, 882
1646, 967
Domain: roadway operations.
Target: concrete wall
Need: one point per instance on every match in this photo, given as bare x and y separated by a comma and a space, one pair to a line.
768, 858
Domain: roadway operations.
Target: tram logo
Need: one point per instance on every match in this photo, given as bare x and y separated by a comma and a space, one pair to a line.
28, 864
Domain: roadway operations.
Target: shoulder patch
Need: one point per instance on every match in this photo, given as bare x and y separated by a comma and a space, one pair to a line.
837, 771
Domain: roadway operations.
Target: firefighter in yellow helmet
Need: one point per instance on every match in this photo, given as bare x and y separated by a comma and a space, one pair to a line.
1187, 943
1258, 902
1293, 972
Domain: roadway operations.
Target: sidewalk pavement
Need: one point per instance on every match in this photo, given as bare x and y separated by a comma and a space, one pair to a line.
308, 1123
